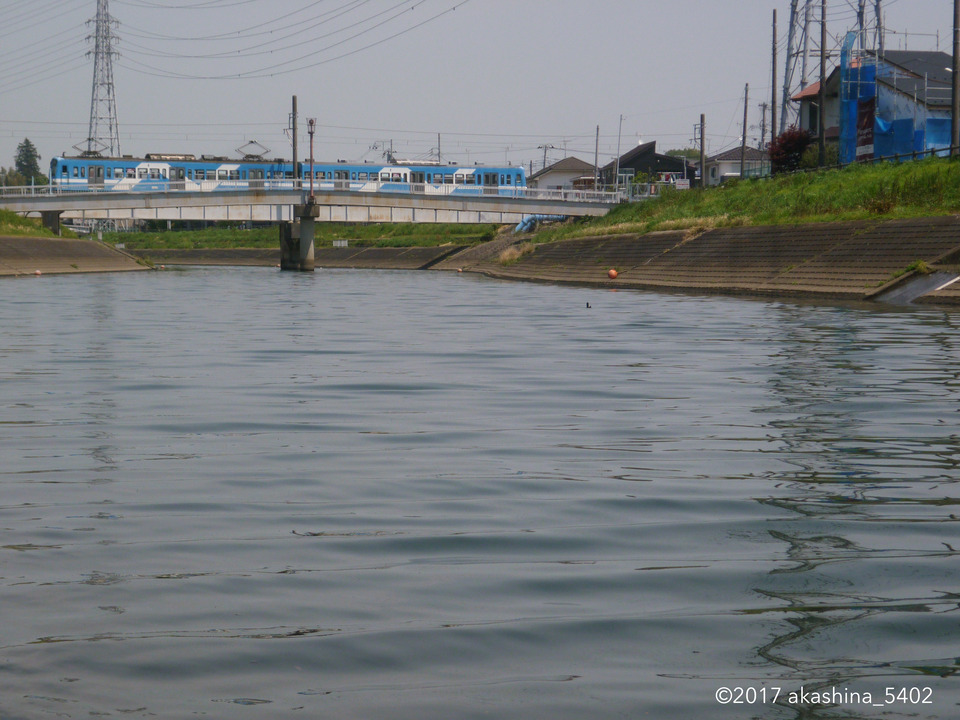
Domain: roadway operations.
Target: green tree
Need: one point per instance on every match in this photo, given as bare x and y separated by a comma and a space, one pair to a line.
688, 153
27, 162
11, 178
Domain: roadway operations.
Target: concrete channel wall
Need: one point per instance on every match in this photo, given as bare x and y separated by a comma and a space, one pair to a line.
854, 261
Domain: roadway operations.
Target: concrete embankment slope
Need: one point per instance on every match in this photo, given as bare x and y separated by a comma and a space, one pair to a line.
27, 255
859, 260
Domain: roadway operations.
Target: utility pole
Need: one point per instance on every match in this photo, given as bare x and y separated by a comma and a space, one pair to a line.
545, 147
311, 128
955, 116
743, 144
763, 126
103, 101
822, 99
703, 151
619, 132
773, 82
596, 161
293, 129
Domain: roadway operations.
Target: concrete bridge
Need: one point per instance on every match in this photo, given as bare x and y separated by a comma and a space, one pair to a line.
278, 205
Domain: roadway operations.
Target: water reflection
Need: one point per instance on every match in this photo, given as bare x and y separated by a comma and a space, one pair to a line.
864, 420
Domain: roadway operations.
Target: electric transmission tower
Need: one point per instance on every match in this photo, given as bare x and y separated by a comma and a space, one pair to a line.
104, 135
804, 15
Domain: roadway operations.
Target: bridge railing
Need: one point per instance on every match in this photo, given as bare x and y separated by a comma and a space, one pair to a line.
256, 186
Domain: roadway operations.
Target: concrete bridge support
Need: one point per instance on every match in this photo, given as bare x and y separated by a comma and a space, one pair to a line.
296, 239
51, 220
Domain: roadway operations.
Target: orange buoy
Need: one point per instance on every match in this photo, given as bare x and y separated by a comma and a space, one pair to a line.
612, 274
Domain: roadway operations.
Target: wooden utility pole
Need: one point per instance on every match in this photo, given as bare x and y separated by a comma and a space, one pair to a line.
773, 82
822, 99
743, 144
955, 115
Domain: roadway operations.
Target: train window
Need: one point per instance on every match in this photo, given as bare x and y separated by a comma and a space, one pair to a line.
363, 176
118, 172
509, 180
221, 174
234, 175
83, 172
471, 180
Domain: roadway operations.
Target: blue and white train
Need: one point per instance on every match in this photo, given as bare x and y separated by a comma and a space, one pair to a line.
160, 172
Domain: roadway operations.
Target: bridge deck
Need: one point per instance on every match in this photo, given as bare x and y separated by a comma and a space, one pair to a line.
273, 205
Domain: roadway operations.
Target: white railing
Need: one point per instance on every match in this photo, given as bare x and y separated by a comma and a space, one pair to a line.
254, 186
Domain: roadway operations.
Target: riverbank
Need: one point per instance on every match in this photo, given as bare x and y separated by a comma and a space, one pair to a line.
858, 260
24, 255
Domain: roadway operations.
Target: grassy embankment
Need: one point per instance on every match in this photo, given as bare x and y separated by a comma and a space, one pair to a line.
376, 235
858, 192
13, 224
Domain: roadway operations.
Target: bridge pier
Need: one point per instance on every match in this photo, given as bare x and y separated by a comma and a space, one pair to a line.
51, 220
296, 239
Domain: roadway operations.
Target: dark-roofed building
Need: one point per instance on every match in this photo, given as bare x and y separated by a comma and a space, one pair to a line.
646, 161
726, 165
561, 175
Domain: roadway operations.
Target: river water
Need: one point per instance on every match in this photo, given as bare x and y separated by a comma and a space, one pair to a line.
239, 493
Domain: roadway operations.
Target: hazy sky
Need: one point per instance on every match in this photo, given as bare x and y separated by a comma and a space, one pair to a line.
496, 79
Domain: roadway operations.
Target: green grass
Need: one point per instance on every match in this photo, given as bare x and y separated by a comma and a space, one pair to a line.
375, 235
13, 224
883, 191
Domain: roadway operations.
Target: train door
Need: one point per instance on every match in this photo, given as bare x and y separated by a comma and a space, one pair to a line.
256, 178
178, 177
95, 176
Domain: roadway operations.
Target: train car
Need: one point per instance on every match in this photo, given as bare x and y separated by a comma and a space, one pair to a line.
163, 172
160, 172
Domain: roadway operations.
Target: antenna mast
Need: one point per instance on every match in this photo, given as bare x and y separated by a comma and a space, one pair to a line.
104, 134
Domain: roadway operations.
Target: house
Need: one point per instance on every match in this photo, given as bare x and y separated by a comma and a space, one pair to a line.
883, 105
561, 175
809, 111
726, 165
647, 162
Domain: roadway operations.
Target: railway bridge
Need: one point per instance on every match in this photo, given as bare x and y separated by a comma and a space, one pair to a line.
281, 205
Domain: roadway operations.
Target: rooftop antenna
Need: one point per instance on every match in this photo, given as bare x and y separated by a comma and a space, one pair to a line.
104, 134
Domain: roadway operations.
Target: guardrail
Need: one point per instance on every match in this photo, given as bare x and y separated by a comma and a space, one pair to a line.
259, 186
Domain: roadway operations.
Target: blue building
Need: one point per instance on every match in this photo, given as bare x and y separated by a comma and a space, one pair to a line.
878, 106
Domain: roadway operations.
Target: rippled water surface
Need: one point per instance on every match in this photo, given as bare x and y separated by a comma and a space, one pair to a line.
236, 493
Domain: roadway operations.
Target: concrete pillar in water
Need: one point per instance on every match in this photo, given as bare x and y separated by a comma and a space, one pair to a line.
289, 246
307, 214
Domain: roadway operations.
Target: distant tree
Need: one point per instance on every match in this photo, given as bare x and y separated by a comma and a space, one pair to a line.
786, 150
11, 178
688, 153
27, 162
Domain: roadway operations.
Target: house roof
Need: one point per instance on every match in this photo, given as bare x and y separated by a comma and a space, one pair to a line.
936, 66
647, 149
752, 154
567, 165
809, 91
